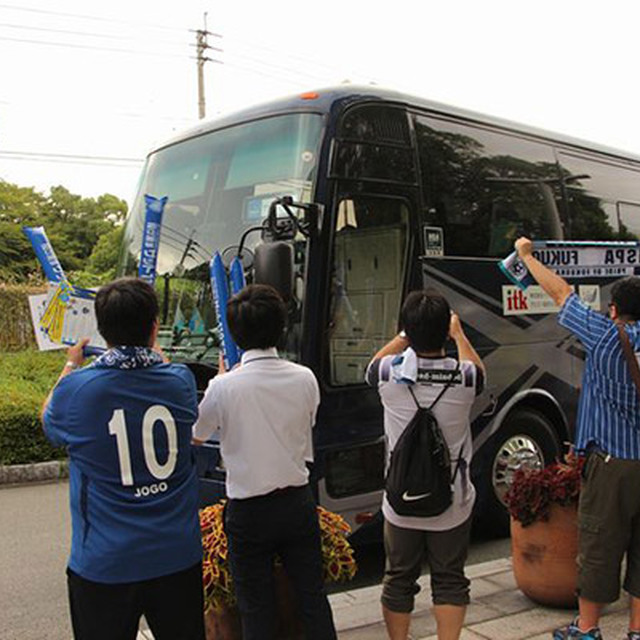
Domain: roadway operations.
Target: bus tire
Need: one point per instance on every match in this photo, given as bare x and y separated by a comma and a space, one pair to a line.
525, 439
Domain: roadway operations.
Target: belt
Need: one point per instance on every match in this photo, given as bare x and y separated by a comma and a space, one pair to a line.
594, 449
276, 493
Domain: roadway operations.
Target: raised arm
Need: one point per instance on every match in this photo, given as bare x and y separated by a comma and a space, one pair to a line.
555, 286
75, 358
465, 348
397, 344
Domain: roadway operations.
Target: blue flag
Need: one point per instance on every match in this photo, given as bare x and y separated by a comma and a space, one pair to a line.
151, 237
236, 274
220, 290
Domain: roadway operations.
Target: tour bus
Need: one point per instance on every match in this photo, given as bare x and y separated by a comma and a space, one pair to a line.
373, 194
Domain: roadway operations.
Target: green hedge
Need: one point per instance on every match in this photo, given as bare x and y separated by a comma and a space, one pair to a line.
16, 330
25, 380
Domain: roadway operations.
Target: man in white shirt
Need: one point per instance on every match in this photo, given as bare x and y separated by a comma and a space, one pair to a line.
416, 360
263, 412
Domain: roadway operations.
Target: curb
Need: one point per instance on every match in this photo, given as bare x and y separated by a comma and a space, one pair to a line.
11, 474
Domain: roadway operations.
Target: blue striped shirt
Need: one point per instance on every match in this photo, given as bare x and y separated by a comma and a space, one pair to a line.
609, 408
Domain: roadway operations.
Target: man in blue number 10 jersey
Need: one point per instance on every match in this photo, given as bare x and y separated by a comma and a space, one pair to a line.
126, 422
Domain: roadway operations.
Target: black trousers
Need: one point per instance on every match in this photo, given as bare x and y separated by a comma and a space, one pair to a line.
282, 523
173, 606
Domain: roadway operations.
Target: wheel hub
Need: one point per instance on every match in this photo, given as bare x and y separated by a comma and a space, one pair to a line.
518, 452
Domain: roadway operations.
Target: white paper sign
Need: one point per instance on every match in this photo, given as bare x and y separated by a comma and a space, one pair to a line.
37, 305
67, 322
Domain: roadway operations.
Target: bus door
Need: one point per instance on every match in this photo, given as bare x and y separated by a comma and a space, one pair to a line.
371, 248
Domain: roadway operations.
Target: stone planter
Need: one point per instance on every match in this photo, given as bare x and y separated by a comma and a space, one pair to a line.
544, 557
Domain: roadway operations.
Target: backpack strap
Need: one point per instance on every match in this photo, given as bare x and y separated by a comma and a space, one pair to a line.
446, 386
455, 472
627, 349
433, 404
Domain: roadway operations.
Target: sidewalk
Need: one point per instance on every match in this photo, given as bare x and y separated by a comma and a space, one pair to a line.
498, 611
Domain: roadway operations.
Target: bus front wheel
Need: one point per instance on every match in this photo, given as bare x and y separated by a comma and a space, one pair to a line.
526, 439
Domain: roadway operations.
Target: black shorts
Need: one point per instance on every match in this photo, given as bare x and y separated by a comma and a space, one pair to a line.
172, 605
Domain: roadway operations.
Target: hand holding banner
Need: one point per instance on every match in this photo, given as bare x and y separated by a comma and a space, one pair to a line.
66, 314
577, 259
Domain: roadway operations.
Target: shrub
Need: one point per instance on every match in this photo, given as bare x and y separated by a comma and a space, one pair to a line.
25, 379
16, 330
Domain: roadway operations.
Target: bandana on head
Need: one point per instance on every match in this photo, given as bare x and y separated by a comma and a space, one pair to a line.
128, 358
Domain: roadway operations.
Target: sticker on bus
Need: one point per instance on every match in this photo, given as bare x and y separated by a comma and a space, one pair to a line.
518, 302
433, 242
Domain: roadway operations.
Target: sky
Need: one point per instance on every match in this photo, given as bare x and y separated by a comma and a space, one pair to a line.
87, 88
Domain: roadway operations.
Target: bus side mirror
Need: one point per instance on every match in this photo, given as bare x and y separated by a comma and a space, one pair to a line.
273, 265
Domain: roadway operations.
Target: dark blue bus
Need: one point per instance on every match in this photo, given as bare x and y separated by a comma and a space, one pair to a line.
409, 193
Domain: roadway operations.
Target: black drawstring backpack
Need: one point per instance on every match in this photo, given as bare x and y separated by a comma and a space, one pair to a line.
419, 481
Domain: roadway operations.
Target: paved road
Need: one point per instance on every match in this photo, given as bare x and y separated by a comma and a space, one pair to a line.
34, 543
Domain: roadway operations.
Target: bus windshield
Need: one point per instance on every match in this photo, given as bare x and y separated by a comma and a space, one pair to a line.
218, 185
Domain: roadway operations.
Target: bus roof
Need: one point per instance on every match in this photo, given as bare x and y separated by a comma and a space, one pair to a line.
322, 100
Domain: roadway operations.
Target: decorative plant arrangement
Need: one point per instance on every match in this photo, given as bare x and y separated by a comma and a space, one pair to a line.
337, 553
533, 491
544, 531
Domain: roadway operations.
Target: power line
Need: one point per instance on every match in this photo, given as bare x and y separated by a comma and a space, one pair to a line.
64, 158
262, 72
302, 74
246, 44
91, 34
249, 44
88, 17
70, 45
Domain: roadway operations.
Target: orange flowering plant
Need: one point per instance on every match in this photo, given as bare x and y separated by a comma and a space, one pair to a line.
337, 554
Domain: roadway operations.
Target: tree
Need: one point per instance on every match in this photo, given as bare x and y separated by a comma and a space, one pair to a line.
19, 205
103, 260
16, 257
73, 224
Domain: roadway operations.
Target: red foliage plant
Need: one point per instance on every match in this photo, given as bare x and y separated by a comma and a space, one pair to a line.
533, 491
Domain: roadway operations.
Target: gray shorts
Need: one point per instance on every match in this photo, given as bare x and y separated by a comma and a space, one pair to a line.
609, 522
444, 551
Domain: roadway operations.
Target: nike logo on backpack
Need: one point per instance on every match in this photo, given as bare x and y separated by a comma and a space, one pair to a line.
408, 498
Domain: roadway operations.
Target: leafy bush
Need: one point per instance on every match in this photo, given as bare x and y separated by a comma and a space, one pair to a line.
16, 331
25, 380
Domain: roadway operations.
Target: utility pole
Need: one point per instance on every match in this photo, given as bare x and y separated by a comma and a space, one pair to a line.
201, 47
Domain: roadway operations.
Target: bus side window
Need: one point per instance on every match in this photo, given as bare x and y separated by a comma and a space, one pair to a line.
486, 187
629, 218
603, 198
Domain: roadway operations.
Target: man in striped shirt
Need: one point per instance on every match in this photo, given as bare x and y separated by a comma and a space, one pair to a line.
608, 432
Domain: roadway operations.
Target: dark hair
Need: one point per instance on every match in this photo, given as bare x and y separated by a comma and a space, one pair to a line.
425, 317
625, 294
126, 310
256, 316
